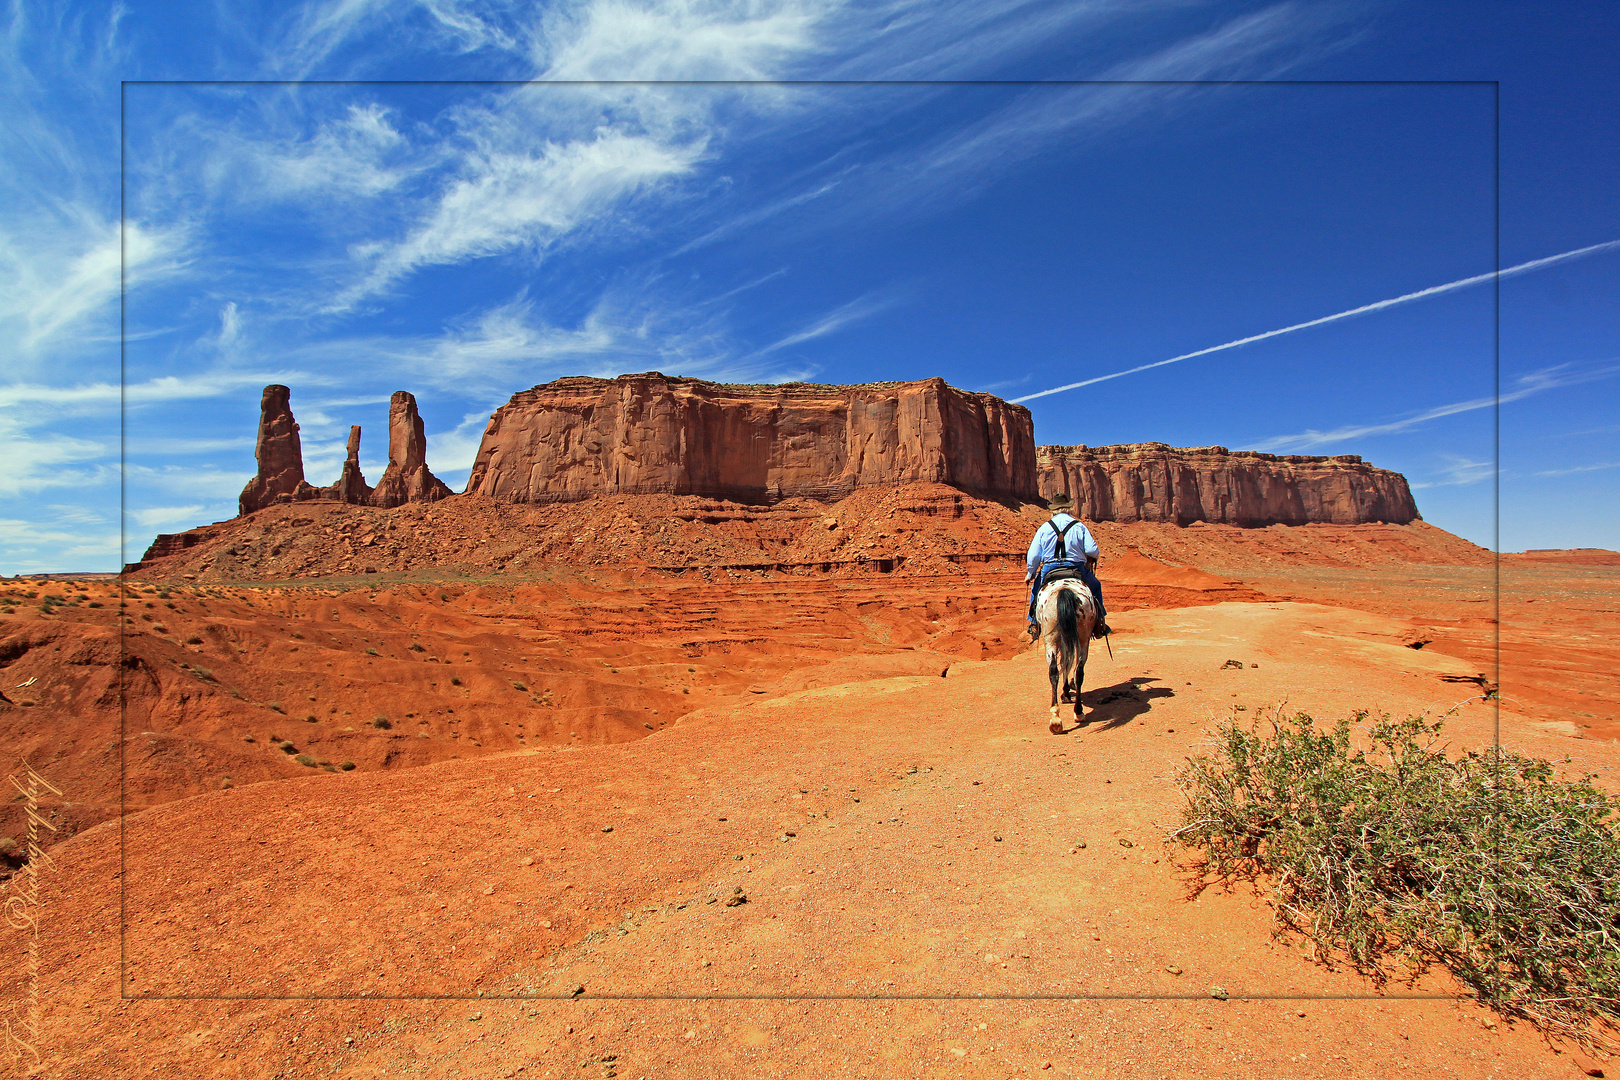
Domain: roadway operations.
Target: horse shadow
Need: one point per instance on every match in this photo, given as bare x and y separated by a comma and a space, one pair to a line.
1117, 705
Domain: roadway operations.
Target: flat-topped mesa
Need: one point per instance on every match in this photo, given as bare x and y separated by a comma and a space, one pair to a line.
574, 438
1155, 482
407, 478
277, 450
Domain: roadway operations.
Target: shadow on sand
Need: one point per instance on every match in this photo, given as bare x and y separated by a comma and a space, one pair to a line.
1114, 706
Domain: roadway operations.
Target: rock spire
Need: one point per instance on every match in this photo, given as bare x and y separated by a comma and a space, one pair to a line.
407, 478
280, 457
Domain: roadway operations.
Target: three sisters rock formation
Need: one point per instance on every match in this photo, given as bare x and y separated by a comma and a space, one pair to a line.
575, 438
280, 477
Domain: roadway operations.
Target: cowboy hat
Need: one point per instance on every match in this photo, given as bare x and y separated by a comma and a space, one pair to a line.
1059, 502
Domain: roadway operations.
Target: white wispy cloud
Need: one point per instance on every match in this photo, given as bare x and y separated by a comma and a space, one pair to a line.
357, 154
154, 516
319, 31
1535, 382
1460, 471
219, 486
33, 546
165, 388
611, 39
62, 278
506, 200
1600, 466
1365, 309
857, 310
31, 462
451, 453
179, 447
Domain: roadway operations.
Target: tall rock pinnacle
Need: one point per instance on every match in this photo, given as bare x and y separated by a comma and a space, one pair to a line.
351, 486
280, 457
407, 478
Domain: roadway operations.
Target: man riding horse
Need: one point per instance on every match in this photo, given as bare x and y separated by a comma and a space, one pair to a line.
1062, 547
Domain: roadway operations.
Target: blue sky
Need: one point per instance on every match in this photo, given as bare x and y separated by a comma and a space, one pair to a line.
320, 225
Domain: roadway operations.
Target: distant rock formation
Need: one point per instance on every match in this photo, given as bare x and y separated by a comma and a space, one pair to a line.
655, 434
407, 478
280, 457
351, 486
1155, 482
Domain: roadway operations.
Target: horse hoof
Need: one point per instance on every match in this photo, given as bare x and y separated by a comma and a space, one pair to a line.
1055, 727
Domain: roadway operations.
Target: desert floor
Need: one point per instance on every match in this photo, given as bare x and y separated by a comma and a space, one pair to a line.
934, 884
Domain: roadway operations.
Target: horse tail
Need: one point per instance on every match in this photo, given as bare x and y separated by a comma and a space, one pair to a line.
1068, 629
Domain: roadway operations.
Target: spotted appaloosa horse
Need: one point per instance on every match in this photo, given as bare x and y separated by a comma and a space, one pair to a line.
1067, 613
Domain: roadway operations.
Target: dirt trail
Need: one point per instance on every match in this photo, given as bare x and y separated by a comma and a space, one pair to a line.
917, 900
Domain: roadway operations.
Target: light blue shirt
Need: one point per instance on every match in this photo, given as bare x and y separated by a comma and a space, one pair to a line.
1077, 541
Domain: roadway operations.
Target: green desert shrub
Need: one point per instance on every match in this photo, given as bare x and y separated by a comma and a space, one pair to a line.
1486, 864
347, 766
381, 723
288, 748
305, 759
371, 652
194, 640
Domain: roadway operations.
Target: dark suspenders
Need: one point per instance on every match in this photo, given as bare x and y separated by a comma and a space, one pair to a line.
1062, 551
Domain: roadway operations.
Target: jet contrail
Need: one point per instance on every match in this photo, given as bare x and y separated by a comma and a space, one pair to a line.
1434, 290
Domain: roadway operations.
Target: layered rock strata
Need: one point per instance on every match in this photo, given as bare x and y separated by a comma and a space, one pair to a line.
278, 452
1155, 482
407, 478
280, 476
654, 434
351, 486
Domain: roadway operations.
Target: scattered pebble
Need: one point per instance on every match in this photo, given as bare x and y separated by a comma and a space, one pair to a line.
607, 828
1219, 993
1173, 969
996, 837
476, 1016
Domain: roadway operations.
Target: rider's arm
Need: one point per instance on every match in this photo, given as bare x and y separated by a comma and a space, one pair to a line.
1037, 553
1089, 546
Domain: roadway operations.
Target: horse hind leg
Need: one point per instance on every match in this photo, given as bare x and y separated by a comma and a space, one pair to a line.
1056, 676
1079, 680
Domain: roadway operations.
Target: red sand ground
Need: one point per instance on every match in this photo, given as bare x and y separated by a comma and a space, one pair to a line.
917, 902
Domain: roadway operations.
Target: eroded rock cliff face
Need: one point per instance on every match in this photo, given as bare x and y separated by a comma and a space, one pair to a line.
654, 434
1155, 482
278, 452
406, 479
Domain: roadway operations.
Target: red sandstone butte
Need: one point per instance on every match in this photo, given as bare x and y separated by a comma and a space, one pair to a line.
1155, 482
407, 478
655, 434
278, 452
351, 486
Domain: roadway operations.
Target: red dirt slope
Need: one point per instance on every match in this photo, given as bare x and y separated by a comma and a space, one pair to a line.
918, 901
